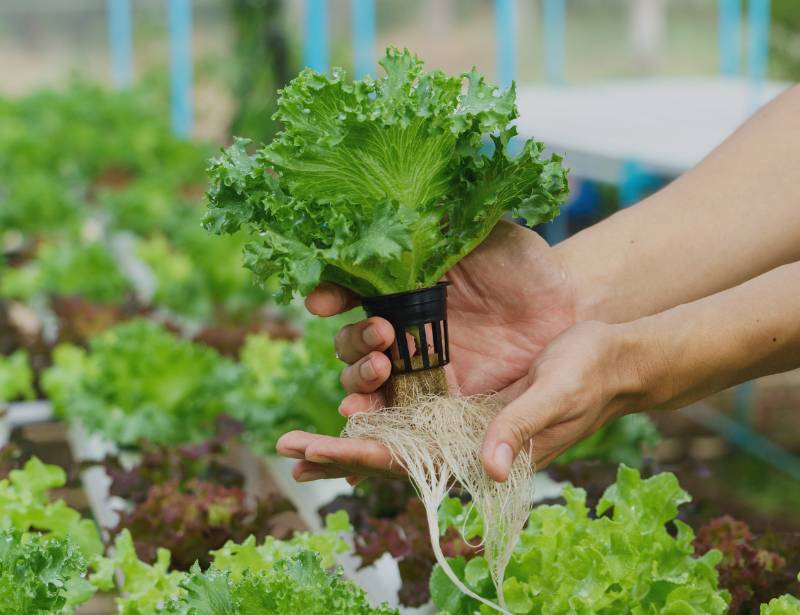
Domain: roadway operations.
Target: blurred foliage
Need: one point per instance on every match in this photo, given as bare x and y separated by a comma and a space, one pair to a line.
139, 381
625, 440
750, 570
84, 166
263, 65
785, 38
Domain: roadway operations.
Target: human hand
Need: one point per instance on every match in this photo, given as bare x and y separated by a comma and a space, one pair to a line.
588, 376
507, 300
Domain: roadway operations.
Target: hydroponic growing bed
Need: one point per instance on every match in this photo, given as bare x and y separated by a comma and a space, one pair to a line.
144, 381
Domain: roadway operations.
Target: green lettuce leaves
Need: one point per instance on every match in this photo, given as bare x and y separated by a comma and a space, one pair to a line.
16, 377
25, 506
139, 381
298, 584
380, 185
784, 605
621, 559
40, 575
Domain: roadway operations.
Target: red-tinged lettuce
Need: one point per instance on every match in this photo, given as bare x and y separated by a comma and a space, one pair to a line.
193, 519
208, 460
750, 572
380, 185
630, 556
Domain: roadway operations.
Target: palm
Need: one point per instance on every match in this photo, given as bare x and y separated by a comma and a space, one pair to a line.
508, 299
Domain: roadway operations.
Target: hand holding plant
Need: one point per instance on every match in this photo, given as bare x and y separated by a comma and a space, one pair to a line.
507, 301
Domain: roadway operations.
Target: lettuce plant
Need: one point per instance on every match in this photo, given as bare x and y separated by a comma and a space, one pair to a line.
620, 558
784, 605
25, 506
16, 377
291, 385
297, 584
139, 381
750, 571
194, 518
69, 269
40, 575
380, 185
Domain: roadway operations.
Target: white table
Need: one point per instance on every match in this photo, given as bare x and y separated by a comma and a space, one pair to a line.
665, 125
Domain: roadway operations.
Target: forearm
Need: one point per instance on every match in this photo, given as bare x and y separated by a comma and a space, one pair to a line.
733, 217
693, 350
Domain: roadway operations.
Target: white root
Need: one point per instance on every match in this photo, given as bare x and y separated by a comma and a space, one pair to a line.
437, 441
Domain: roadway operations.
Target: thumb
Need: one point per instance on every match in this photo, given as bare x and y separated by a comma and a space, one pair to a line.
512, 428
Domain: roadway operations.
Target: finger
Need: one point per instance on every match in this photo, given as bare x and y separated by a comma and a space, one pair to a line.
513, 427
360, 456
368, 374
354, 479
361, 402
306, 471
356, 341
293, 444
329, 299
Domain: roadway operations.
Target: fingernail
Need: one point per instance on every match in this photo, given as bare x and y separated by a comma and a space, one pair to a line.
503, 456
291, 453
318, 458
367, 370
371, 336
310, 475
343, 407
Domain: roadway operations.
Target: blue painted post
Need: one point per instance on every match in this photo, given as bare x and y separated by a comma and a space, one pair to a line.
554, 24
730, 17
746, 439
315, 54
120, 42
557, 230
180, 58
506, 41
364, 37
757, 48
744, 396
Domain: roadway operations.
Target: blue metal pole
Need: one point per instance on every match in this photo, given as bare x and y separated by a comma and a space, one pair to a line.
506, 41
745, 438
180, 56
743, 401
554, 23
120, 42
364, 37
315, 52
757, 48
730, 17
557, 230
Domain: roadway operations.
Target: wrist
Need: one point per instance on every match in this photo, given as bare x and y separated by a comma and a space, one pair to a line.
649, 381
592, 280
